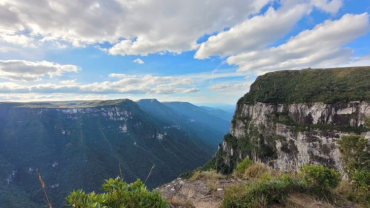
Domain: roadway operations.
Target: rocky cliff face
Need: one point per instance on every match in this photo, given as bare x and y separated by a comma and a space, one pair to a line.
296, 133
286, 134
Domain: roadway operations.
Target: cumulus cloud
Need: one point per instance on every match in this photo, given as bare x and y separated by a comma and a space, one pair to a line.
21, 40
126, 84
254, 33
133, 27
328, 6
319, 47
357, 61
146, 84
20, 70
139, 61
49, 97
262, 30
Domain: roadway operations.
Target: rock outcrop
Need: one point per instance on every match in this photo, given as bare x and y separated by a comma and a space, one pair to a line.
289, 129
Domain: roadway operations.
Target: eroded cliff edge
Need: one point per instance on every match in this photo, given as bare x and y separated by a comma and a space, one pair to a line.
291, 118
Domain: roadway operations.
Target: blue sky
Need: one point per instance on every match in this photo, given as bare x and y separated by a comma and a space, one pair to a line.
195, 51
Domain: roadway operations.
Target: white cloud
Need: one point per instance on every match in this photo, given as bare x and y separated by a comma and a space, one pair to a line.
27, 97
328, 6
230, 87
133, 27
357, 61
319, 47
254, 33
139, 61
126, 84
21, 40
262, 30
32, 71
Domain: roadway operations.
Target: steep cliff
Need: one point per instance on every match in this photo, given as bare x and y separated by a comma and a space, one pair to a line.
76, 145
291, 118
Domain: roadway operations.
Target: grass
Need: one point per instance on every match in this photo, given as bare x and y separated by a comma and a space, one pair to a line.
206, 175
266, 187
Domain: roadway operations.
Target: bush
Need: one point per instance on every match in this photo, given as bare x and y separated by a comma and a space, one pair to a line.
117, 194
243, 165
320, 176
261, 193
355, 150
255, 171
362, 182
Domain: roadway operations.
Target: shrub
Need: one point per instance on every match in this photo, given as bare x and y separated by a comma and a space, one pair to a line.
355, 150
255, 171
261, 193
117, 193
243, 165
320, 176
362, 182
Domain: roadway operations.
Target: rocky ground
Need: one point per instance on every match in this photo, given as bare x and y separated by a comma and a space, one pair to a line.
195, 193
203, 193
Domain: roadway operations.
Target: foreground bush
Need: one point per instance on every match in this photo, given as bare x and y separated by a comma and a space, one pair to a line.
267, 187
117, 194
262, 193
320, 176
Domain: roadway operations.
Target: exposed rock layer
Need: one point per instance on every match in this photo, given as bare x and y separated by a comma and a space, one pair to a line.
297, 133
291, 118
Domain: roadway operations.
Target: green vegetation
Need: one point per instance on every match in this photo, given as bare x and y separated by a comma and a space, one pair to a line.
117, 194
320, 176
355, 152
261, 193
243, 165
266, 186
207, 175
311, 85
255, 146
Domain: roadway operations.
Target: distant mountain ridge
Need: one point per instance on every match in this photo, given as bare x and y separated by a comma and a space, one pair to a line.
76, 145
194, 120
190, 111
226, 115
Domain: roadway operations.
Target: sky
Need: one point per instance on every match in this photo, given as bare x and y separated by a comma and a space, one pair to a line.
201, 52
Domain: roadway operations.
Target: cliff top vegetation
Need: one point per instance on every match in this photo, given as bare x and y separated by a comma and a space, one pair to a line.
311, 85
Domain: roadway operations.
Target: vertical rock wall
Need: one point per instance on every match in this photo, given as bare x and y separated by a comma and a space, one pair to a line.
286, 136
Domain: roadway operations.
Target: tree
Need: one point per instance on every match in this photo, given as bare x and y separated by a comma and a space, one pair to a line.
355, 150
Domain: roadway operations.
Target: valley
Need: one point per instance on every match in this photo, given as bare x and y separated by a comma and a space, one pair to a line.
76, 145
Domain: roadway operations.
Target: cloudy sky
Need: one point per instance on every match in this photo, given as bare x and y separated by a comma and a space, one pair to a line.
206, 51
